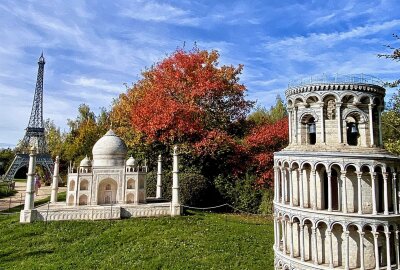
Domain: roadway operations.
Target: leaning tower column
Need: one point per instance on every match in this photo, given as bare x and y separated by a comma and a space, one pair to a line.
376, 235
330, 249
362, 234
301, 188
291, 187
284, 233
302, 242
373, 180
394, 185
295, 125
275, 231
385, 193
291, 238
347, 263
315, 188
380, 125
278, 234
314, 244
329, 191
277, 182
321, 112
388, 259
290, 111
397, 250
359, 201
339, 121
344, 190
283, 185
371, 124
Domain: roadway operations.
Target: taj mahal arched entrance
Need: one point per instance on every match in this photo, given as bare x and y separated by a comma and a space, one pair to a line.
107, 192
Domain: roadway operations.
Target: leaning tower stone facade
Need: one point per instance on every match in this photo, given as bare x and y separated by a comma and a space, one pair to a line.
336, 203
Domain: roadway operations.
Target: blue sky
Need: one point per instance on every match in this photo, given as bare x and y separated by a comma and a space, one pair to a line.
93, 47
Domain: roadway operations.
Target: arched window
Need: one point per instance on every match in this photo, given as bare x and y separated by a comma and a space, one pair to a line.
83, 200
352, 131
311, 131
108, 187
72, 185
131, 184
84, 185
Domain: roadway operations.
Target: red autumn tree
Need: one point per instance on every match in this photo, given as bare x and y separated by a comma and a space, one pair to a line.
187, 95
262, 142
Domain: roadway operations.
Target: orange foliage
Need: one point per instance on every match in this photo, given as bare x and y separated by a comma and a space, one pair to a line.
262, 143
186, 95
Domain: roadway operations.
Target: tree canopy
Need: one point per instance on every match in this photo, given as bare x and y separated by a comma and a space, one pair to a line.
391, 117
185, 96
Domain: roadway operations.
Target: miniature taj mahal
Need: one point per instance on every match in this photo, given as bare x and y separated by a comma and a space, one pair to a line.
107, 187
336, 203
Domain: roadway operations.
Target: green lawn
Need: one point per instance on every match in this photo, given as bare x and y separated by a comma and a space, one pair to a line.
5, 191
196, 241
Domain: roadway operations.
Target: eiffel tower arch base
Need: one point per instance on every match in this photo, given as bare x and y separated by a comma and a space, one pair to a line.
22, 160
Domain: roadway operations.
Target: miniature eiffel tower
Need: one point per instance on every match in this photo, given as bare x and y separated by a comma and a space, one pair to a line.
34, 135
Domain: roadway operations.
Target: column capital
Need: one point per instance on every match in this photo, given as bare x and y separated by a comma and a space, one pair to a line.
347, 233
338, 104
387, 234
329, 232
359, 174
314, 171
343, 172
376, 234
361, 233
371, 105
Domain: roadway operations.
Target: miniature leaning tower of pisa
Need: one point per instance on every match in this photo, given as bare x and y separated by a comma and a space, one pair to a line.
336, 203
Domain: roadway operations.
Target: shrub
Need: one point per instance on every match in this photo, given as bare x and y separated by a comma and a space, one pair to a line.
266, 206
240, 192
193, 187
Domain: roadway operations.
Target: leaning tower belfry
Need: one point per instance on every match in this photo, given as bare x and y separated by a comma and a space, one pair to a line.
34, 133
336, 203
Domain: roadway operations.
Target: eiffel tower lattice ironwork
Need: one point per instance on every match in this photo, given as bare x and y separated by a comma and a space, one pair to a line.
34, 134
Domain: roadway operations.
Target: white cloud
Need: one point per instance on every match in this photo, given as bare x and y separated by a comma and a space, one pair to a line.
95, 83
159, 12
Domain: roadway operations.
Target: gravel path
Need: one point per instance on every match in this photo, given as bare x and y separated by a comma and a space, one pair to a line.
19, 197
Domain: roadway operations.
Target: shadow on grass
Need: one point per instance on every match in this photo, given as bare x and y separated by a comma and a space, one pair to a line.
18, 208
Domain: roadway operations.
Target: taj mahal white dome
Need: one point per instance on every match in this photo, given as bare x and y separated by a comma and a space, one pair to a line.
85, 162
131, 162
109, 150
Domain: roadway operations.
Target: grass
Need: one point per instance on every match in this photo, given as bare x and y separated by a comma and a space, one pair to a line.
195, 241
5, 191
18, 208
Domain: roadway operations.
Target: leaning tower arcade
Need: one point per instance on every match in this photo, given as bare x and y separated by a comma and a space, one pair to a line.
336, 201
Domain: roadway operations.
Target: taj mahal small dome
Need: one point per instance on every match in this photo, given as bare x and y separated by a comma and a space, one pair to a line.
85, 162
131, 162
109, 150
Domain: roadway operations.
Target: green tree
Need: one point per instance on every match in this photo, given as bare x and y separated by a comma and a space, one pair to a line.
84, 132
6, 157
261, 115
55, 139
391, 117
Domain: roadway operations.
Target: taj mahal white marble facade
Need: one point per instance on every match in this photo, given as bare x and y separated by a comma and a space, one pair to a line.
107, 187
